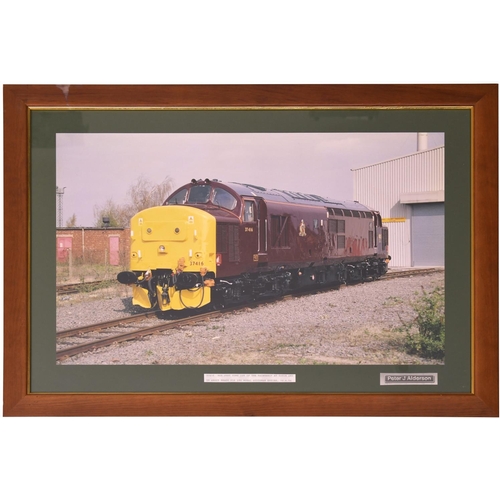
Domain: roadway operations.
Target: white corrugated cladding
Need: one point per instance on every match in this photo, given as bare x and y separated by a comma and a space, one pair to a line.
381, 187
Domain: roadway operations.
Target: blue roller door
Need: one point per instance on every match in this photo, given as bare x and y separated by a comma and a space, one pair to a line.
427, 234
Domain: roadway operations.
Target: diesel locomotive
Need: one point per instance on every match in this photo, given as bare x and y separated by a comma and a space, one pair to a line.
223, 243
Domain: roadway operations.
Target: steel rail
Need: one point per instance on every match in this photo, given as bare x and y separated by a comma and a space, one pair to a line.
409, 272
69, 288
123, 337
105, 324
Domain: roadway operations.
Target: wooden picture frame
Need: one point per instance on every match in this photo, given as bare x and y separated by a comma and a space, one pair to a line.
481, 99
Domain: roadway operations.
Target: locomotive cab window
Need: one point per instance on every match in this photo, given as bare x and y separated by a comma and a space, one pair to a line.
224, 199
179, 198
199, 194
249, 213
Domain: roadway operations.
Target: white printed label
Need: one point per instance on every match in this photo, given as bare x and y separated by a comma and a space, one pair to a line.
250, 378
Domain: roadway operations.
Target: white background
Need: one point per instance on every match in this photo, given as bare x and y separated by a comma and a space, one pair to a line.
88, 42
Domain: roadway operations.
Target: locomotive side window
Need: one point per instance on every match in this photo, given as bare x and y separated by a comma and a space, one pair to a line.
179, 198
279, 231
249, 214
199, 194
224, 199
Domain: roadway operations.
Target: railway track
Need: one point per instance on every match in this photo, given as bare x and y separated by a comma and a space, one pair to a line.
110, 338
88, 286
411, 272
114, 338
96, 327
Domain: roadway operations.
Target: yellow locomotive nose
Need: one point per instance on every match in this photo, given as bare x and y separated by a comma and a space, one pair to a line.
170, 241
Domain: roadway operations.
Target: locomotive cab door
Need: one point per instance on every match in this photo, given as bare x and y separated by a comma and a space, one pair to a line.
262, 230
250, 243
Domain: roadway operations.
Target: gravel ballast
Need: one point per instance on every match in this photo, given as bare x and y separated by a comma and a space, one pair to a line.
354, 325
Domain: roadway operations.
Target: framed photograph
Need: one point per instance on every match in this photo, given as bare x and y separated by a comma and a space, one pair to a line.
290, 250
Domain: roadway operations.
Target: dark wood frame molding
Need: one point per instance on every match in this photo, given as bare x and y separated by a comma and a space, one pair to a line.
482, 98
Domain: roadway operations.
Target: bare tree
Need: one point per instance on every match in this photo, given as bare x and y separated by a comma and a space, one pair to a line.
144, 194
141, 195
71, 222
116, 214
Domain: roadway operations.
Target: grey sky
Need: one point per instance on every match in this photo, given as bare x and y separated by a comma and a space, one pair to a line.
96, 167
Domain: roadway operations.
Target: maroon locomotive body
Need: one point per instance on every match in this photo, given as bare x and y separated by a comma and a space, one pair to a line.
270, 241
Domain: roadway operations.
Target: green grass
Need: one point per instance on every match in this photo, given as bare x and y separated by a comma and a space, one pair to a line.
425, 333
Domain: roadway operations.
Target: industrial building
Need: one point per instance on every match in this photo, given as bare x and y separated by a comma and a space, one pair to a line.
409, 193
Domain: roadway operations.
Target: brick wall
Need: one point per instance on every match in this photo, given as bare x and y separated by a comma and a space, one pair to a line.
93, 245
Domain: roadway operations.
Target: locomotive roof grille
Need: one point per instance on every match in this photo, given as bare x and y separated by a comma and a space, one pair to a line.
252, 186
302, 196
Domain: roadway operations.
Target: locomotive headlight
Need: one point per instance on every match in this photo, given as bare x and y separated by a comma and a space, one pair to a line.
161, 249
